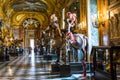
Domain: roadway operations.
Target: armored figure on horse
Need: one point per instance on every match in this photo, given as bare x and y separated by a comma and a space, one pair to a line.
65, 43
78, 43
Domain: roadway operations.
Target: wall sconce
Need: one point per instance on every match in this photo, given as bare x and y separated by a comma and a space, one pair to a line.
99, 19
82, 25
102, 17
111, 14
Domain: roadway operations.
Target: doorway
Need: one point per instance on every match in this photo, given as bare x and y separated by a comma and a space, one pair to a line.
32, 43
32, 52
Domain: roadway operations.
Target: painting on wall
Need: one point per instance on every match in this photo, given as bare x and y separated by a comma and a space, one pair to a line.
114, 22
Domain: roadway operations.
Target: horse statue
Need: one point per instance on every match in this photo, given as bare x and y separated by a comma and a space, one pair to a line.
79, 44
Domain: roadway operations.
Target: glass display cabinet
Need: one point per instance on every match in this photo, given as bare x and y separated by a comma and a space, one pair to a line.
106, 62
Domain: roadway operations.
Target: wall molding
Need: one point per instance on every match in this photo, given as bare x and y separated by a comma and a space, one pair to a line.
114, 5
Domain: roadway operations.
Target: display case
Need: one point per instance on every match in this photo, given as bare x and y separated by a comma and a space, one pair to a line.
106, 62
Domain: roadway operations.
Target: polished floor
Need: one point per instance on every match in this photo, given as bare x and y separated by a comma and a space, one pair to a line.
31, 67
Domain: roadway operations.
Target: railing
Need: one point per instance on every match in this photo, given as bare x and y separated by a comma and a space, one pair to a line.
106, 59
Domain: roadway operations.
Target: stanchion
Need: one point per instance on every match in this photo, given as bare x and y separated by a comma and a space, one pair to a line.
84, 69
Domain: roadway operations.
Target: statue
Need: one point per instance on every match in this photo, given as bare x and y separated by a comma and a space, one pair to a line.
53, 37
78, 42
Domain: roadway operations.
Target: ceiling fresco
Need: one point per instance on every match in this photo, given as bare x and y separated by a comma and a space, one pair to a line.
38, 9
29, 5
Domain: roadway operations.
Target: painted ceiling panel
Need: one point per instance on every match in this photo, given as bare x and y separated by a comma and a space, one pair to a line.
38, 9
29, 5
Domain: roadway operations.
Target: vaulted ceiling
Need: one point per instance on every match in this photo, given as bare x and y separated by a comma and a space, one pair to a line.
16, 11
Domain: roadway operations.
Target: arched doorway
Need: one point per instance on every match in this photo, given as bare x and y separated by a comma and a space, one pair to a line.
31, 28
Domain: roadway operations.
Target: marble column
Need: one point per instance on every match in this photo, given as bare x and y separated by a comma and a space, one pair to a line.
92, 31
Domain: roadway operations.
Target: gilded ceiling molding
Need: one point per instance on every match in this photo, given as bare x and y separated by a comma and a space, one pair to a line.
6, 7
2, 2
50, 5
18, 18
2, 14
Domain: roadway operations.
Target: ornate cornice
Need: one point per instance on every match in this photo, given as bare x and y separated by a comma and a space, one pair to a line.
114, 5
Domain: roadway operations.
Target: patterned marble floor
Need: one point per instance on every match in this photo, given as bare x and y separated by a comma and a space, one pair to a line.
29, 67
